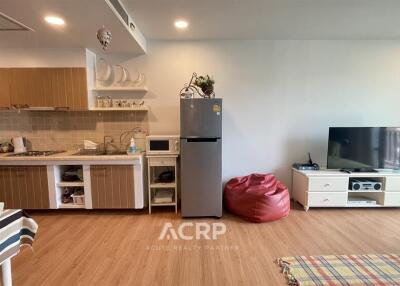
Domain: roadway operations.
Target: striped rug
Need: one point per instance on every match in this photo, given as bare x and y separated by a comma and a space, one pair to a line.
349, 270
16, 229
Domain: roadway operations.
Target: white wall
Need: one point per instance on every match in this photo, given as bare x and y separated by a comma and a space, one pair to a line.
279, 97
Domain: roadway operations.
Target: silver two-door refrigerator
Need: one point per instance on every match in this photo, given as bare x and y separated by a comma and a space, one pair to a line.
201, 157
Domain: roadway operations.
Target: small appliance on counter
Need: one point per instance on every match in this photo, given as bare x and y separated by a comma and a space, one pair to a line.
162, 145
201, 157
162, 152
19, 144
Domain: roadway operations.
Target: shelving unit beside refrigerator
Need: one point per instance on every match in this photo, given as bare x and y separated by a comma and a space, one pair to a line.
163, 192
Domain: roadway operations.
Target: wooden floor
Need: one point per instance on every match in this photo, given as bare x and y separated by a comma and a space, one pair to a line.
122, 248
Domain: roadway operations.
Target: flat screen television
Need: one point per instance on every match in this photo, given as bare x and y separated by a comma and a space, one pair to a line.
364, 148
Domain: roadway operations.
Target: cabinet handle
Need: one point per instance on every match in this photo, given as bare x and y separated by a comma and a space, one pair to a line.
326, 200
327, 185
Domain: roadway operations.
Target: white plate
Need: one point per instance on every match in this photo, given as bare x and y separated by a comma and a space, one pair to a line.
103, 70
137, 78
121, 75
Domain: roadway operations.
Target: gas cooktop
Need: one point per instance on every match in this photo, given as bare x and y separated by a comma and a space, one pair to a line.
35, 153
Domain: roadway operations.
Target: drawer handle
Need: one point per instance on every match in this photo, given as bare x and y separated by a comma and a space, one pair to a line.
327, 185
326, 200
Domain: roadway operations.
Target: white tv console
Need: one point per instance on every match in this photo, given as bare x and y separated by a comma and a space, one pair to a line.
330, 188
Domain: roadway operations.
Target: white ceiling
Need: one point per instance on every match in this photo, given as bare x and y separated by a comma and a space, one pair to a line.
83, 18
268, 19
209, 19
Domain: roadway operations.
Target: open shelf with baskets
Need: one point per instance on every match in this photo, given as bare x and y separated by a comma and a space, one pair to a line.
69, 187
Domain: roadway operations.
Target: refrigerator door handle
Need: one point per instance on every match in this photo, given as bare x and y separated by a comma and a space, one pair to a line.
202, 139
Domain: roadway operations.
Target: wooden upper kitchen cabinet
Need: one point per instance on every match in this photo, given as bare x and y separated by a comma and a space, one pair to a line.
46, 87
24, 187
4, 88
112, 186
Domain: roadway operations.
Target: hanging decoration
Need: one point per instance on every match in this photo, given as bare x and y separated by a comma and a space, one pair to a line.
104, 36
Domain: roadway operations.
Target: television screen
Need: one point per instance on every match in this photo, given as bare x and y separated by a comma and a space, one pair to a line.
364, 148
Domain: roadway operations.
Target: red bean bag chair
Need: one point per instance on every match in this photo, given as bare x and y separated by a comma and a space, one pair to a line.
257, 197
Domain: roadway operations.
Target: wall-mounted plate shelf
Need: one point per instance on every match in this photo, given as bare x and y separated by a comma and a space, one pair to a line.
142, 108
120, 89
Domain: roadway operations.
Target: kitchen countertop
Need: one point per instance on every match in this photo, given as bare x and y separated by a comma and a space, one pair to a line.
69, 158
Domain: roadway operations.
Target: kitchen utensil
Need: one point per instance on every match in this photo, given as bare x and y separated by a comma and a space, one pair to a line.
100, 101
19, 144
107, 102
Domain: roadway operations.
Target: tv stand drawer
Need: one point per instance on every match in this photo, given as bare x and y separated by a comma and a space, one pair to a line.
338, 199
392, 199
337, 184
392, 184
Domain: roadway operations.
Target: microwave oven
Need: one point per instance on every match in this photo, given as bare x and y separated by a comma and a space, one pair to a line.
162, 144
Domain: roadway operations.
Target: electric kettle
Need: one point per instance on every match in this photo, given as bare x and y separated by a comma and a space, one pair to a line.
19, 144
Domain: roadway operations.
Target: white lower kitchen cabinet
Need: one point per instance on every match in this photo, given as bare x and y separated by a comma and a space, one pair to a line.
105, 186
103, 182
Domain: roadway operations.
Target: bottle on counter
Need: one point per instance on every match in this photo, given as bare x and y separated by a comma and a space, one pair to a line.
132, 147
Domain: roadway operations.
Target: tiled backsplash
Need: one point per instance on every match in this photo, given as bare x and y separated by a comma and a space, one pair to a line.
66, 130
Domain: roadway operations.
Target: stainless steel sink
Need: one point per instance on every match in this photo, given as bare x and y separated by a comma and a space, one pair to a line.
99, 153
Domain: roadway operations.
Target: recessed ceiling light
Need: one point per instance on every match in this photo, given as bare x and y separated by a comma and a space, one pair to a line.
53, 20
181, 24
